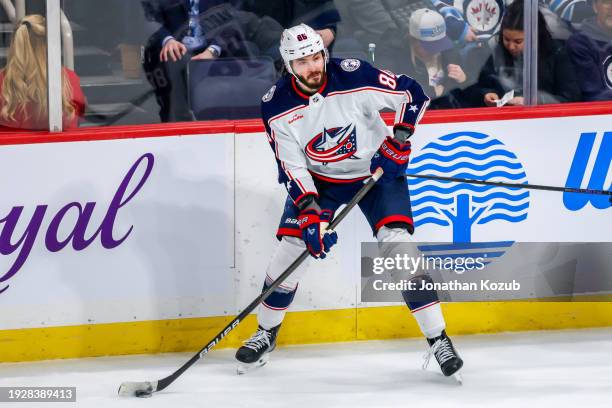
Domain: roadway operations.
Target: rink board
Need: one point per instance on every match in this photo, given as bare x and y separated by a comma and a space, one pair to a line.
151, 244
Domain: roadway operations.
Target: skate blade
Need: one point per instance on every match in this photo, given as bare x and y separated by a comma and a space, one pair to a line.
459, 378
244, 368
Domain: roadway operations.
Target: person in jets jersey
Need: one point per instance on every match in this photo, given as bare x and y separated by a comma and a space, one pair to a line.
323, 124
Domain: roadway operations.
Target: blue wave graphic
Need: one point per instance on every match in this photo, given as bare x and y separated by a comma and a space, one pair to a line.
424, 210
499, 203
455, 135
465, 143
503, 217
499, 195
463, 166
433, 200
462, 186
462, 155
515, 208
487, 176
431, 220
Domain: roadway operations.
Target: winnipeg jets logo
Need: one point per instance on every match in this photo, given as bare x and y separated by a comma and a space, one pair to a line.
607, 66
333, 145
483, 15
350, 64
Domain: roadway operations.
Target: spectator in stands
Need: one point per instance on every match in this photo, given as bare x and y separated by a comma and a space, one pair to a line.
573, 12
483, 17
432, 60
318, 14
23, 82
199, 29
366, 22
386, 25
380, 21
591, 51
503, 71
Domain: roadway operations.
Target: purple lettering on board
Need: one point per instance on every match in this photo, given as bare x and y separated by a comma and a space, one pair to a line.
26, 242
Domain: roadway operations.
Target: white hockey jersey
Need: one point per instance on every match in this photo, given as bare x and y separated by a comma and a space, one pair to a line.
333, 134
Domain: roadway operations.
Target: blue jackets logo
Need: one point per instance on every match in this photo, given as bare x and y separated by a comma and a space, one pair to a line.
333, 145
596, 173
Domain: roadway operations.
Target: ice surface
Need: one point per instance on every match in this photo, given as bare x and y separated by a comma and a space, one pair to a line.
535, 369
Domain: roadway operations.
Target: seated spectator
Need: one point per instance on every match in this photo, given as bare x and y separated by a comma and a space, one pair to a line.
23, 82
366, 22
321, 15
573, 12
591, 51
432, 60
483, 17
199, 29
503, 71
385, 22
380, 29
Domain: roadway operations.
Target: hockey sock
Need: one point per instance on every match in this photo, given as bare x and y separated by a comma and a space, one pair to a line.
273, 309
425, 307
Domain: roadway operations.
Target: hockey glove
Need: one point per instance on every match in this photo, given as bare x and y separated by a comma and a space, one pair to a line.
392, 157
312, 224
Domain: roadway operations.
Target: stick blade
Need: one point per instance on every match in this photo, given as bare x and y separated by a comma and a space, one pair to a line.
142, 389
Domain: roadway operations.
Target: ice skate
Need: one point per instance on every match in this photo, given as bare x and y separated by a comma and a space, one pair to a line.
442, 348
255, 351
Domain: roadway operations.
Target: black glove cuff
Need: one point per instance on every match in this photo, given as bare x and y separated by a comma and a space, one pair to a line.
307, 203
402, 133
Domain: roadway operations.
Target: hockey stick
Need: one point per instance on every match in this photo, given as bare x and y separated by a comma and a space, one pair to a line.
512, 185
147, 388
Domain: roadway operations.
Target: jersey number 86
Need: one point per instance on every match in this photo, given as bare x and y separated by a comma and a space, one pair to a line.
387, 79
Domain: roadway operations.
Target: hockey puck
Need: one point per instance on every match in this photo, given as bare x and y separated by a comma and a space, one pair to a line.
143, 394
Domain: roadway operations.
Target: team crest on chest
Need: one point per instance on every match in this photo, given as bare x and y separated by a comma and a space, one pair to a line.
268, 96
350, 64
607, 67
333, 145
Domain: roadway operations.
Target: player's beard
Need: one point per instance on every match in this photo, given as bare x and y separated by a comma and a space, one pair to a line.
314, 81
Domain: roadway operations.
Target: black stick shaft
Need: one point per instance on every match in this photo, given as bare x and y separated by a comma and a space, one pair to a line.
163, 383
512, 185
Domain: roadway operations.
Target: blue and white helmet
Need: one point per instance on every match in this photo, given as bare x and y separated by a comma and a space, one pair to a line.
300, 41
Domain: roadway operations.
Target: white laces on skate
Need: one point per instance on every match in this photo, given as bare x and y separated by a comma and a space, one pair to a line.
443, 351
258, 340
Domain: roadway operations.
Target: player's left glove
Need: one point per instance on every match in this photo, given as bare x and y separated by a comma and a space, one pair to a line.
312, 223
392, 156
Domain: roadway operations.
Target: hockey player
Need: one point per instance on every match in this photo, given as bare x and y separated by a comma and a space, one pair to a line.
323, 124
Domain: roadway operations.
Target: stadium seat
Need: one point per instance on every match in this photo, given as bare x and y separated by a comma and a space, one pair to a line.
229, 88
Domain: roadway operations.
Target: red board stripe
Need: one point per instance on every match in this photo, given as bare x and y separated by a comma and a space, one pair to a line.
15, 137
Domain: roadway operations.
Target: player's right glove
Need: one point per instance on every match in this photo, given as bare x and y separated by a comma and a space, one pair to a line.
312, 223
392, 156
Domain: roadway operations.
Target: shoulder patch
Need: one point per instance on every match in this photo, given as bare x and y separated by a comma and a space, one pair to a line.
268, 96
607, 66
350, 64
